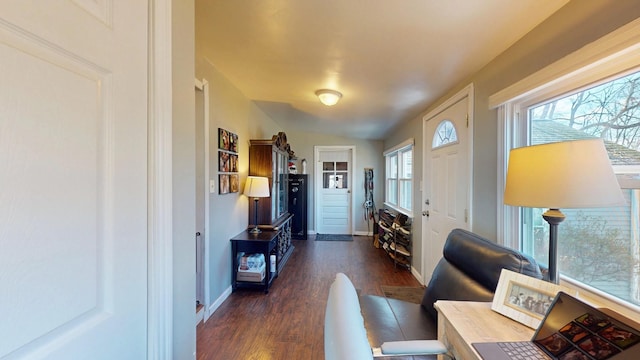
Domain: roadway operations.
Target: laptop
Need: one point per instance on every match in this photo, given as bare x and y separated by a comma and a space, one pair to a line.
571, 330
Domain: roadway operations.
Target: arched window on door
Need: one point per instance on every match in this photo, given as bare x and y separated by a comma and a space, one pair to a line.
445, 134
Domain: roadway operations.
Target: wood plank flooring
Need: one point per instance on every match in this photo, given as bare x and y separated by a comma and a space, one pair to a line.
287, 323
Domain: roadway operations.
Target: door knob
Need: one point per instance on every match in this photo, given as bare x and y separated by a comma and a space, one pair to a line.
425, 213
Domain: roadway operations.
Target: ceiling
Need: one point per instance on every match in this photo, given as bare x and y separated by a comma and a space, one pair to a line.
390, 59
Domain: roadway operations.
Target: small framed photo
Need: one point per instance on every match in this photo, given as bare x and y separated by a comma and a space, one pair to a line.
233, 142
224, 183
523, 298
224, 141
233, 163
224, 161
234, 183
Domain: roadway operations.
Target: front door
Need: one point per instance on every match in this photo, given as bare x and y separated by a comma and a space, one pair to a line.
446, 177
73, 198
334, 182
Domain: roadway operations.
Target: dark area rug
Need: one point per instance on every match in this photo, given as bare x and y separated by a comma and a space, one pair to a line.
406, 293
333, 237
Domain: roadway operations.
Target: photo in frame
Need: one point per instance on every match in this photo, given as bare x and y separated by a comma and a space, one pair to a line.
523, 298
224, 161
233, 163
234, 183
223, 139
224, 183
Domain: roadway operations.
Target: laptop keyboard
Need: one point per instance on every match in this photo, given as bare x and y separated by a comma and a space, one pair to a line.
522, 351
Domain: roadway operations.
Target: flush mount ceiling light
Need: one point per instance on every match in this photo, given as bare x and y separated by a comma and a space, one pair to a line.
328, 97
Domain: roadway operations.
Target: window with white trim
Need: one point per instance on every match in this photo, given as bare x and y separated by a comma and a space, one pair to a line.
399, 177
597, 248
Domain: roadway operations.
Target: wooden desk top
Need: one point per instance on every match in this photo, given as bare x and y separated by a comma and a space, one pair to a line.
461, 323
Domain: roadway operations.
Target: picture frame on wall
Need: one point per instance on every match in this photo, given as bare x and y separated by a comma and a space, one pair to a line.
234, 183
223, 139
229, 180
233, 142
224, 161
224, 183
523, 298
233, 163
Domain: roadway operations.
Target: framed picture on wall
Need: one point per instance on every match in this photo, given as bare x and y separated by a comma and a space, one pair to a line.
223, 139
233, 163
234, 183
224, 161
224, 183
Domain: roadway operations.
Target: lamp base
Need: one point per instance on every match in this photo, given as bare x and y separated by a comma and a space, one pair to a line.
553, 217
255, 230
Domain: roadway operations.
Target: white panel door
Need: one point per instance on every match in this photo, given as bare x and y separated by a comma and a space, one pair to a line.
446, 180
73, 180
334, 182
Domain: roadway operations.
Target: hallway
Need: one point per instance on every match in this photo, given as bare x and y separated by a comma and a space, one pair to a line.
288, 322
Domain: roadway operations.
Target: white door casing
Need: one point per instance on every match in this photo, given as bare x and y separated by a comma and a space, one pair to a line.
446, 196
334, 196
73, 205
204, 186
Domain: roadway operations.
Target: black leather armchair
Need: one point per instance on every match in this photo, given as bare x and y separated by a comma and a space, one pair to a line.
469, 270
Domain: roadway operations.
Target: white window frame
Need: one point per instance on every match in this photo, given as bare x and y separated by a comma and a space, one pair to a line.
397, 151
614, 54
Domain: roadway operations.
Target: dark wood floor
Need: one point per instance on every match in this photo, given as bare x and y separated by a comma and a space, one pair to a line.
287, 323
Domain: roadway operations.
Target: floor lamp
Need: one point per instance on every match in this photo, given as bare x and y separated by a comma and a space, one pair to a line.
256, 187
569, 175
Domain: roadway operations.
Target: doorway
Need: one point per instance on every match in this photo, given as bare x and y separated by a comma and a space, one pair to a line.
202, 187
446, 198
334, 198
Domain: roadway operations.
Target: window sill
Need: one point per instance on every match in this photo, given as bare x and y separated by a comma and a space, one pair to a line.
400, 210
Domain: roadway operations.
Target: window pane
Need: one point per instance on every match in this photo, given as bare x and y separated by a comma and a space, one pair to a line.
393, 166
342, 180
405, 194
445, 134
328, 165
328, 181
406, 164
600, 246
342, 166
392, 191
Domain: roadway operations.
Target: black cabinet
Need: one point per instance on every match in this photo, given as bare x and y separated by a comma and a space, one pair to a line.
298, 188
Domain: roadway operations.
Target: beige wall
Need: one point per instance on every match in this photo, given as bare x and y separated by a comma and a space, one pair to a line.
572, 27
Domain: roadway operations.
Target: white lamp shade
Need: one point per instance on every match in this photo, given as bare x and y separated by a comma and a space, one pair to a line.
328, 97
257, 186
563, 175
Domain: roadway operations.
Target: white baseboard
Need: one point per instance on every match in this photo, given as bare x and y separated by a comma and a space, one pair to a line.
417, 275
216, 304
363, 233
200, 315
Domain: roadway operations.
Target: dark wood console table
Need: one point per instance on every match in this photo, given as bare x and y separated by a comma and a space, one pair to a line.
274, 241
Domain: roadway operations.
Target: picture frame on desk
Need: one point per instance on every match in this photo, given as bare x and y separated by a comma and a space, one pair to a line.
523, 298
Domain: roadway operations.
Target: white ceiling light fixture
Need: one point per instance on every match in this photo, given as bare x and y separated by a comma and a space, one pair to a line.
328, 97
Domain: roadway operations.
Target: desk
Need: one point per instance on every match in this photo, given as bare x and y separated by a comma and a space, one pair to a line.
461, 323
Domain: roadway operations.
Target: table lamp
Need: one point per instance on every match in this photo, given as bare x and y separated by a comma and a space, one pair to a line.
570, 175
256, 187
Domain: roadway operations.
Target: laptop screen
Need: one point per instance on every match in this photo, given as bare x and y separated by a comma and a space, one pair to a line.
573, 330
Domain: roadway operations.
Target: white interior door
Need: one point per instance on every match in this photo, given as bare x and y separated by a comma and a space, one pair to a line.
73, 204
446, 183
334, 183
